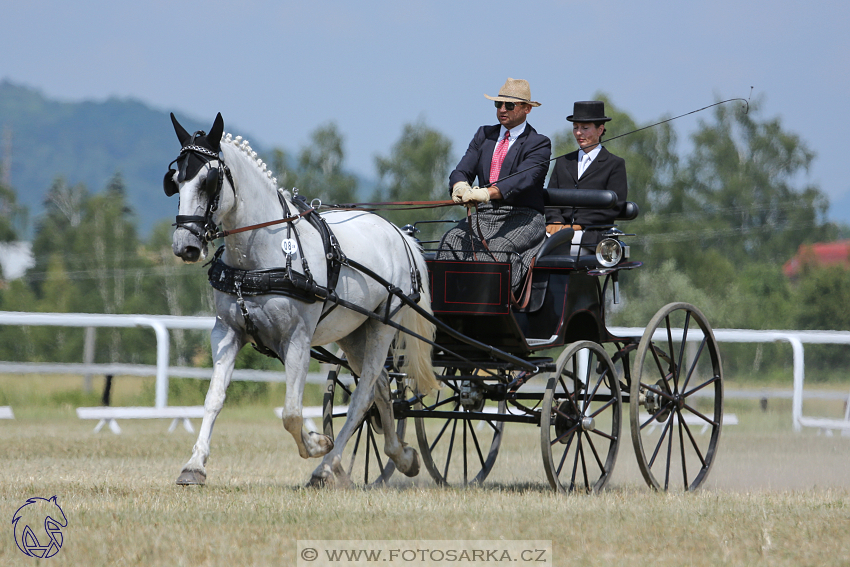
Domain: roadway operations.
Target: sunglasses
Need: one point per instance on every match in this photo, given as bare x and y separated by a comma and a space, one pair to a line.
508, 105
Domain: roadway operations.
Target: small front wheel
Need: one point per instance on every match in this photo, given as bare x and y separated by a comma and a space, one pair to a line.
580, 419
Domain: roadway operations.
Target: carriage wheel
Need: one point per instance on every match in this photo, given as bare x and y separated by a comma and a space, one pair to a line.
580, 419
456, 450
676, 399
363, 458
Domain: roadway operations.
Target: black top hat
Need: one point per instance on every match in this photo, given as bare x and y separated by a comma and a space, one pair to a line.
588, 111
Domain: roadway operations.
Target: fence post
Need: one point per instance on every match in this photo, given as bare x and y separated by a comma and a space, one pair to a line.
88, 357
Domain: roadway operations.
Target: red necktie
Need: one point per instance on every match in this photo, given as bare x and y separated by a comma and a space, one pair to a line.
499, 156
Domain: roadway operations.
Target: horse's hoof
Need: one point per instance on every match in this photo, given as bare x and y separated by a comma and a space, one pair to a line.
341, 478
413, 469
322, 478
192, 478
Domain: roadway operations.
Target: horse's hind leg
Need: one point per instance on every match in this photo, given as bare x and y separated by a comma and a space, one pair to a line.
367, 350
406, 458
226, 344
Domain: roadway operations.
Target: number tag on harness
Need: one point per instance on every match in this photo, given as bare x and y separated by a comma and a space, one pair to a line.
289, 247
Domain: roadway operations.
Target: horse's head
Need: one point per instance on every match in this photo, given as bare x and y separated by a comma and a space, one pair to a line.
198, 179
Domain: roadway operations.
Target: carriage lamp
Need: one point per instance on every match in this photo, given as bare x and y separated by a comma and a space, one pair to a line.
609, 252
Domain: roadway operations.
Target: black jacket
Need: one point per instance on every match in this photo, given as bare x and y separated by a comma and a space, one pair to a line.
530, 151
607, 171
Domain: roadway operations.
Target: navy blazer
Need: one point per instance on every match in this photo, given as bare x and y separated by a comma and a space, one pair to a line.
530, 151
607, 171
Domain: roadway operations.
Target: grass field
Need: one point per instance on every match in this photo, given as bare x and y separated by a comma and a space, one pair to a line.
774, 497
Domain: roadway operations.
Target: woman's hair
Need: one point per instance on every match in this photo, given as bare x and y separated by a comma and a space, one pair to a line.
598, 124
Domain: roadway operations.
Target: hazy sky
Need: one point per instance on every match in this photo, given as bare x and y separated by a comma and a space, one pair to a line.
277, 70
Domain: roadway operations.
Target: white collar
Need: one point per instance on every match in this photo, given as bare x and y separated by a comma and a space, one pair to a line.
592, 153
515, 131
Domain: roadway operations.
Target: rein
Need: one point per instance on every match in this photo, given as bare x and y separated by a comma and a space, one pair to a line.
223, 233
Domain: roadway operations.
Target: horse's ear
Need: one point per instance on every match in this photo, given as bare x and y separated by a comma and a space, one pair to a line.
214, 137
182, 134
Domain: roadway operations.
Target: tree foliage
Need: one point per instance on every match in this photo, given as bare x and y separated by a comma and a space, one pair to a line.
318, 172
417, 169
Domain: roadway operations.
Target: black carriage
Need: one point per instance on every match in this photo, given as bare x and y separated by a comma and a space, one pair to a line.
498, 362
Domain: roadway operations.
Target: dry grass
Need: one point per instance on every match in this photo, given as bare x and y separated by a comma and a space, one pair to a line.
774, 498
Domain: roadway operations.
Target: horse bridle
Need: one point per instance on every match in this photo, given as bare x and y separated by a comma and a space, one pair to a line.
212, 186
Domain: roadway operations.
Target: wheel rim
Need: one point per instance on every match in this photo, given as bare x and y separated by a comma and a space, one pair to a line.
579, 425
363, 459
458, 451
676, 399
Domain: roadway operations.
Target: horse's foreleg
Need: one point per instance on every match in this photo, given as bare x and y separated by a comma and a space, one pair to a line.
310, 443
226, 344
406, 458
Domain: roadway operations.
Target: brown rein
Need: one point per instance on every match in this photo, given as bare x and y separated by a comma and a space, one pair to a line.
390, 206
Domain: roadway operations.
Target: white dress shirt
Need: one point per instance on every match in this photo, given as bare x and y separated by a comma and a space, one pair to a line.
585, 159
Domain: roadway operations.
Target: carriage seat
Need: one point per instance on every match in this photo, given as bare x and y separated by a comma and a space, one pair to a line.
555, 252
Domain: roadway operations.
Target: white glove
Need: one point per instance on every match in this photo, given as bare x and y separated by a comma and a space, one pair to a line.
477, 195
459, 190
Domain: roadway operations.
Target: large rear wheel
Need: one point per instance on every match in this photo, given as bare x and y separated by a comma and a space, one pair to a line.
676, 399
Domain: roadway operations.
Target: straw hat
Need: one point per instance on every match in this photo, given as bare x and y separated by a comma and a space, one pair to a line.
515, 90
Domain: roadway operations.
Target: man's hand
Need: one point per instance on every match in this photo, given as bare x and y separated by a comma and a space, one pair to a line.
459, 190
553, 228
476, 195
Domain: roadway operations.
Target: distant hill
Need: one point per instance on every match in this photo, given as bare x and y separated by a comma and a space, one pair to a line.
88, 142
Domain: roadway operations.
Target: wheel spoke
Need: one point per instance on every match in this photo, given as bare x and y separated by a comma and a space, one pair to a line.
564, 456
682, 449
354, 451
477, 446
694, 362
711, 380
443, 430
465, 466
575, 464
669, 457
451, 446
567, 432
595, 454
583, 464
608, 404
377, 452
605, 435
368, 448
677, 376
652, 418
698, 414
660, 442
693, 441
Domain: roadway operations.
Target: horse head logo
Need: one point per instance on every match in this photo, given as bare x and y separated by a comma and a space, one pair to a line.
38, 527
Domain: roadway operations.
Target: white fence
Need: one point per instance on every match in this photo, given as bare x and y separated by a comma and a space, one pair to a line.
161, 324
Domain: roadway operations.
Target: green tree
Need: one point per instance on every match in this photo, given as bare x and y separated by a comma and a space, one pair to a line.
417, 169
320, 172
12, 215
743, 180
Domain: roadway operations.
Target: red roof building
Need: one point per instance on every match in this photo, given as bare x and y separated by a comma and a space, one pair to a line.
819, 254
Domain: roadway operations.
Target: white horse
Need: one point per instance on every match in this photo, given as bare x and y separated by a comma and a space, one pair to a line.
222, 183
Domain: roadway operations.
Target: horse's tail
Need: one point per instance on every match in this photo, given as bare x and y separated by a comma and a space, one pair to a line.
417, 354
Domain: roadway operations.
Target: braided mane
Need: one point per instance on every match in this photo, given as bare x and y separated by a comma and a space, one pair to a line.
243, 145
